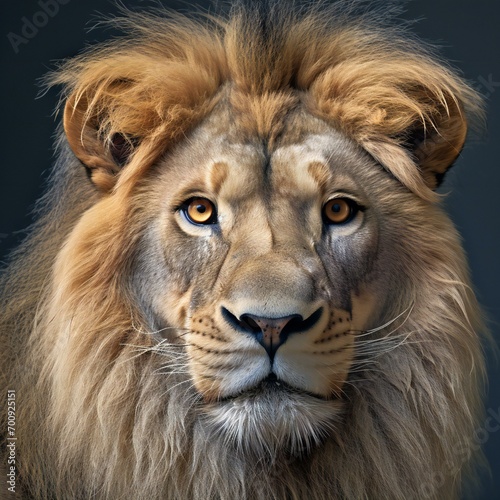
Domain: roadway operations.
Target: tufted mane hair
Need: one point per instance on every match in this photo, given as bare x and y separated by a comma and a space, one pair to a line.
347, 62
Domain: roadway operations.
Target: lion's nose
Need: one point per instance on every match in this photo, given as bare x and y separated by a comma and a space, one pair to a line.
271, 333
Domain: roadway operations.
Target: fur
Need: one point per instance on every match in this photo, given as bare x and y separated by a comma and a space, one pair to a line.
95, 419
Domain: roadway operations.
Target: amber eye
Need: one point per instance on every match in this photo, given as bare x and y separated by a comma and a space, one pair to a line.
339, 210
200, 211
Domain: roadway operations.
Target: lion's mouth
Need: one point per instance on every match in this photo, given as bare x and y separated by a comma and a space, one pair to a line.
273, 417
269, 387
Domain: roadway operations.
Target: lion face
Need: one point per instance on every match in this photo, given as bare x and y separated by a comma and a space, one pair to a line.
246, 264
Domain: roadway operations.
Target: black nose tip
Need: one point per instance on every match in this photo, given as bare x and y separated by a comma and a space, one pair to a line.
271, 333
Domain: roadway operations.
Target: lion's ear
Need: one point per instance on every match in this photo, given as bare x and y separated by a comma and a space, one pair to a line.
435, 147
424, 137
102, 151
432, 147
408, 111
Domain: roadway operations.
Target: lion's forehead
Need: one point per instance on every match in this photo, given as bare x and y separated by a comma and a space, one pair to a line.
235, 170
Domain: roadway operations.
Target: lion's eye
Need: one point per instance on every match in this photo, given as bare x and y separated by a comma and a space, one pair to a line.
339, 210
200, 211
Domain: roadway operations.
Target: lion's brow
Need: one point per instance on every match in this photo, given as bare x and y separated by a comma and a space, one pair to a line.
320, 173
217, 176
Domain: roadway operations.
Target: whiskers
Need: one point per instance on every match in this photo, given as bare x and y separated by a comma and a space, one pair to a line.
171, 348
369, 347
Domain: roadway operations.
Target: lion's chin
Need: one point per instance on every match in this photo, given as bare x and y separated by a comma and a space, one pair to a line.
273, 418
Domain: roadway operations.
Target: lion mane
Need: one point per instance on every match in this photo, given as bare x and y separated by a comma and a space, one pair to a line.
109, 408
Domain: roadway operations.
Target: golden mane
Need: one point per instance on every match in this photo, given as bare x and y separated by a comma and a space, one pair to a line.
368, 79
110, 430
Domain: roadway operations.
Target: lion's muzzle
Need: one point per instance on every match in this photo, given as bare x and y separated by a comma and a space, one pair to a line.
271, 333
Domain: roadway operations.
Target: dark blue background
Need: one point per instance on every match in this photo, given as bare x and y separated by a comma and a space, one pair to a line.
469, 34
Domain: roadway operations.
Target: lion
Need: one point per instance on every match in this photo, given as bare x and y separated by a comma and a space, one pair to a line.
242, 283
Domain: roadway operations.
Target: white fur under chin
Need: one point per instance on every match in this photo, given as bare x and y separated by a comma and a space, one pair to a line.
273, 419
